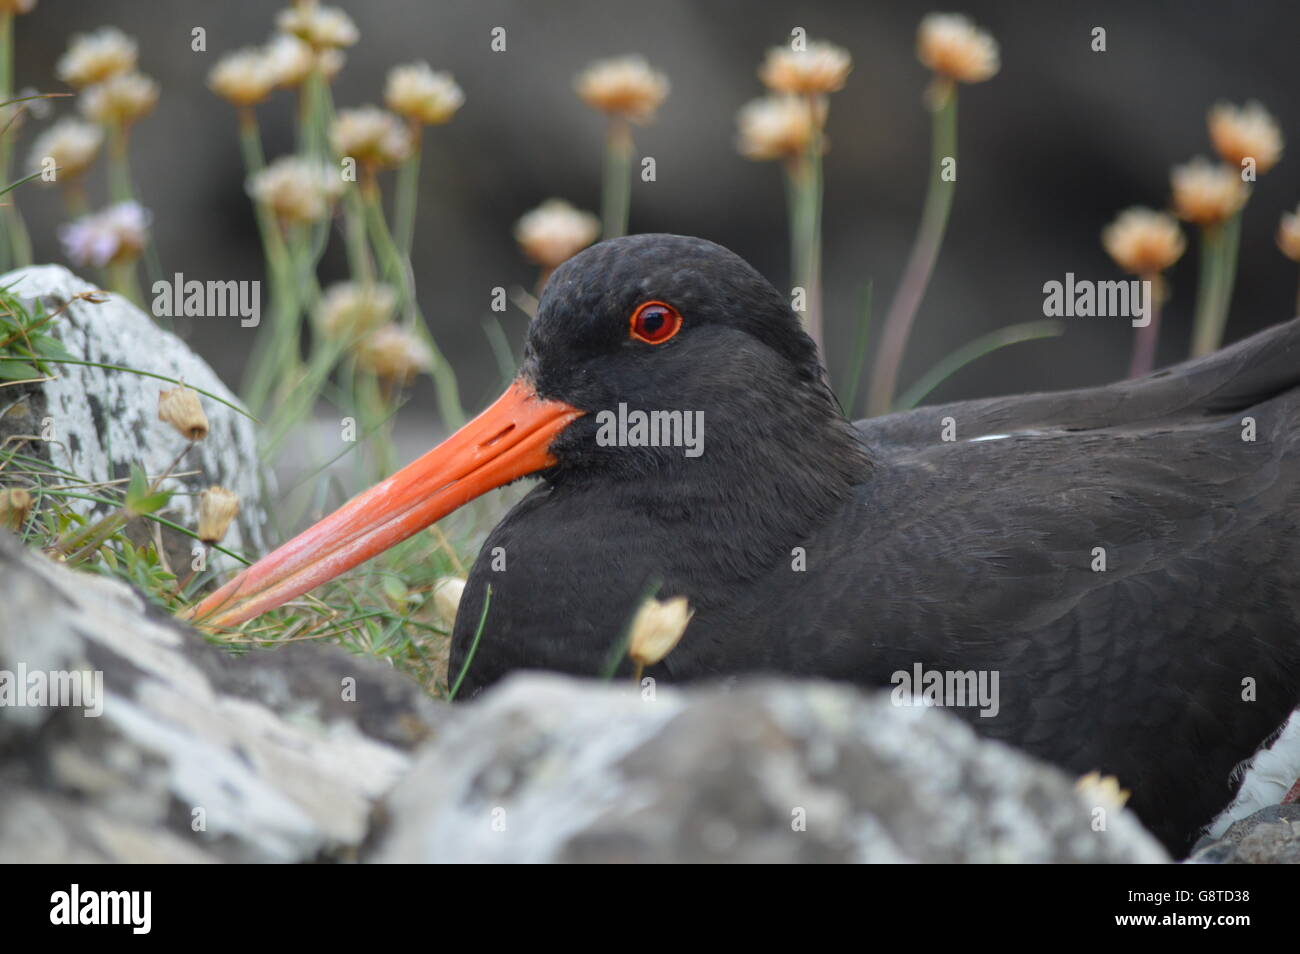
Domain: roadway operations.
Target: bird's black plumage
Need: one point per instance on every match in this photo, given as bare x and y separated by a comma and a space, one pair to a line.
956, 554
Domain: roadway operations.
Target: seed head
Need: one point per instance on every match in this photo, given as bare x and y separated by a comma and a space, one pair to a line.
955, 48
554, 232
657, 628
625, 86
1206, 193
180, 408
419, 94
1144, 242
71, 143
1245, 132
217, 508
821, 68
94, 57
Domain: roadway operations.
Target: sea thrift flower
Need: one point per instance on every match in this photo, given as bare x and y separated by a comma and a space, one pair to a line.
119, 100
1144, 242
416, 92
180, 408
554, 232
243, 78
657, 628
217, 508
17, 6
1288, 235
71, 143
625, 86
775, 127
325, 28
1207, 194
297, 190
1246, 132
393, 354
95, 57
952, 46
821, 68
371, 136
352, 308
113, 235
289, 59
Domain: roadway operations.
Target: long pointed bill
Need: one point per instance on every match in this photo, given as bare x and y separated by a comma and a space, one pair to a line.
507, 441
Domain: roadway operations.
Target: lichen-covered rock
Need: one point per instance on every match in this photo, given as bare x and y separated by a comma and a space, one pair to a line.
196, 754
1270, 836
101, 422
545, 768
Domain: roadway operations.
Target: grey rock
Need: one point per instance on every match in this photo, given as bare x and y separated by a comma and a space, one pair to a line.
1269, 836
105, 421
268, 745
548, 769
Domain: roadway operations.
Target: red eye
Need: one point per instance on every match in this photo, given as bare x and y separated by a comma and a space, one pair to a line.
654, 322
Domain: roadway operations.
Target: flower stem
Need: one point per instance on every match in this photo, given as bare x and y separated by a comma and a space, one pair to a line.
616, 195
444, 377
408, 190
920, 264
18, 249
1146, 338
1218, 265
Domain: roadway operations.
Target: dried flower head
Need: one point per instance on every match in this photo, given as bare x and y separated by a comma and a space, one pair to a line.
657, 628
554, 232
325, 28
1143, 241
820, 68
1245, 132
393, 354
1288, 235
415, 91
108, 237
298, 190
288, 58
372, 136
348, 309
71, 143
955, 48
15, 506
1207, 193
119, 100
1103, 789
625, 86
94, 57
330, 62
775, 127
243, 78
180, 408
446, 599
217, 508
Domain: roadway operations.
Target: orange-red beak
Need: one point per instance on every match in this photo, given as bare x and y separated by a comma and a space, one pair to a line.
511, 439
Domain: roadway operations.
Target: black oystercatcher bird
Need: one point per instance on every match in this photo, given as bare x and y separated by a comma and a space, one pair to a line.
967, 537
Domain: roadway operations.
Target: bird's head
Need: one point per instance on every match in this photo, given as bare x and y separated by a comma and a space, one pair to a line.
654, 323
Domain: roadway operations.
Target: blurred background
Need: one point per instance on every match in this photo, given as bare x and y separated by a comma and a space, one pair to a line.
1050, 150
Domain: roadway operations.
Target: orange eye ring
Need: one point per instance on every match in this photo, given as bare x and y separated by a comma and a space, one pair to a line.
654, 322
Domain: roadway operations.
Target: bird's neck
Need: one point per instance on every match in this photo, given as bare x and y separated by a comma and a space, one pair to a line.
761, 485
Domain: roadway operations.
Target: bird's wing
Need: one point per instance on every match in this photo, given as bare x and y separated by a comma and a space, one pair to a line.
1240, 376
